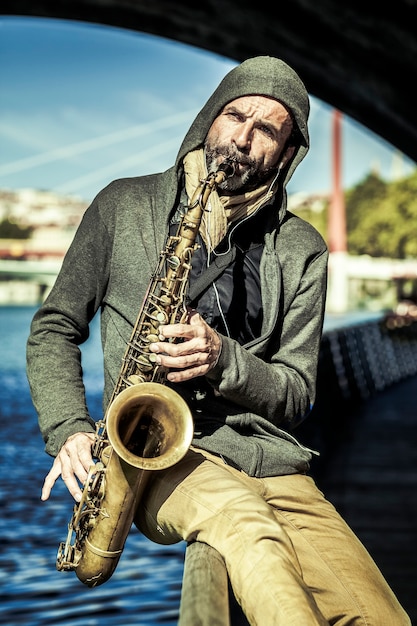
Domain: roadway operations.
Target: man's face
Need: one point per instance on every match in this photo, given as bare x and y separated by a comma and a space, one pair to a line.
252, 131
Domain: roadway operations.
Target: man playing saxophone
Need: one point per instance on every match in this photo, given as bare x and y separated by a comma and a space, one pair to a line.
244, 359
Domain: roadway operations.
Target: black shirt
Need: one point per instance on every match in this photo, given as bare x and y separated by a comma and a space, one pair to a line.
232, 305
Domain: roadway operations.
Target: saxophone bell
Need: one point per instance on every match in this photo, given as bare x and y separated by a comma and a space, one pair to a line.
150, 426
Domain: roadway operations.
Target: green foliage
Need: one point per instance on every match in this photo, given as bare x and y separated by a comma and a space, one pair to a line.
12, 230
367, 193
382, 218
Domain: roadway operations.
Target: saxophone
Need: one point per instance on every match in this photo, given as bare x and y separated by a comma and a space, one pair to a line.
147, 426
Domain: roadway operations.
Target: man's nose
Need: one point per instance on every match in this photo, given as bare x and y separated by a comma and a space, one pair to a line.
243, 137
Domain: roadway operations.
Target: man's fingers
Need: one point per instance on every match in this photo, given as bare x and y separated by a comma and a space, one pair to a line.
78, 449
178, 376
76, 461
177, 330
72, 464
50, 479
195, 355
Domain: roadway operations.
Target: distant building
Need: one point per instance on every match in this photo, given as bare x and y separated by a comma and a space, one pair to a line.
54, 219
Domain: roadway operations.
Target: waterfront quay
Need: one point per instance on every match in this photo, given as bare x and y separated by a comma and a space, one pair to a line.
365, 423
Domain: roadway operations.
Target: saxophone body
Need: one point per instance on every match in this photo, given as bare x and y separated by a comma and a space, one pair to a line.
147, 426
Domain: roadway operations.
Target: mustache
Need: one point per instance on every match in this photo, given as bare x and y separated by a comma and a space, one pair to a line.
232, 154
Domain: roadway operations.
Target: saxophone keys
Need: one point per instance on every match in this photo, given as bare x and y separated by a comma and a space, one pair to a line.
161, 317
145, 362
173, 262
136, 379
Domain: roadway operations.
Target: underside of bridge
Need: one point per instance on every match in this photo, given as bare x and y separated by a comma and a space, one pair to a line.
360, 56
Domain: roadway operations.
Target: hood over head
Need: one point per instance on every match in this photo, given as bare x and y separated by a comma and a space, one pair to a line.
264, 76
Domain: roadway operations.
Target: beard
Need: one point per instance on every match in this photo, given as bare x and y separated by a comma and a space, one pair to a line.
249, 176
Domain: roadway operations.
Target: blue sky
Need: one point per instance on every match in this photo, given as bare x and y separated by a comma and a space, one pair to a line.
83, 104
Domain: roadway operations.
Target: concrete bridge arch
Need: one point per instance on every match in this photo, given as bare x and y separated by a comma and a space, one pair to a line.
358, 56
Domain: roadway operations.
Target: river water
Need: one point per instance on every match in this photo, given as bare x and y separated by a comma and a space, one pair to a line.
145, 588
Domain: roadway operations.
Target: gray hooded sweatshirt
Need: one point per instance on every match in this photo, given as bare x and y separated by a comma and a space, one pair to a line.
265, 388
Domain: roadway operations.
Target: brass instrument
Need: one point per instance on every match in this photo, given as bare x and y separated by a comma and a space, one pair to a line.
147, 426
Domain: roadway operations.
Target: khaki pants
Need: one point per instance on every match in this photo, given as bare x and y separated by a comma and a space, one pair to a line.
291, 559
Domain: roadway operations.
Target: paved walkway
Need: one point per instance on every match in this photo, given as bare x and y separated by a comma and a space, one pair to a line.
370, 475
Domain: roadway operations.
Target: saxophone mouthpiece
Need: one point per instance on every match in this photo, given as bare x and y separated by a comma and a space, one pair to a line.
228, 167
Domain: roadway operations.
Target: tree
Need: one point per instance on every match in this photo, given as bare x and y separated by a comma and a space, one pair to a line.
382, 218
11, 230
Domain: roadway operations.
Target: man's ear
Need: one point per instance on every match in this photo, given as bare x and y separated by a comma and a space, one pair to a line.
287, 156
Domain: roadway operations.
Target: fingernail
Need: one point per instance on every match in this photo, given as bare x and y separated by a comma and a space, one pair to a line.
77, 497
